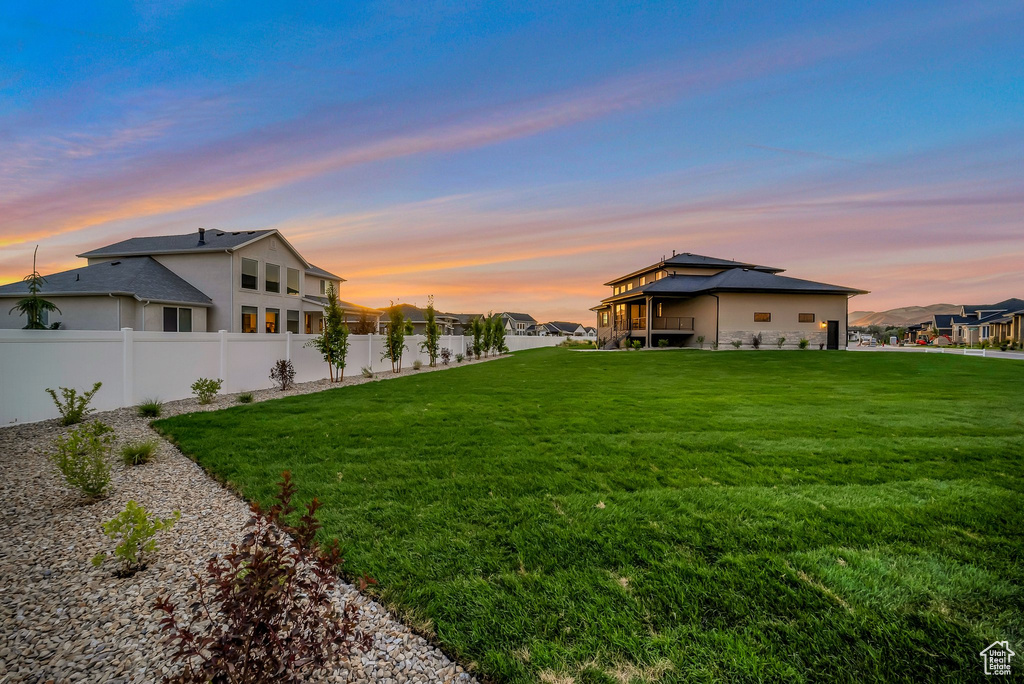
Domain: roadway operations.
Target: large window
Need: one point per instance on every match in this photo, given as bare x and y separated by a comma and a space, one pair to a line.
273, 320
273, 281
293, 321
323, 287
249, 314
762, 317
293, 281
177, 319
604, 319
643, 280
806, 318
250, 274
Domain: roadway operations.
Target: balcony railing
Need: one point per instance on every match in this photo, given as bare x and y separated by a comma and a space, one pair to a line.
673, 323
638, 323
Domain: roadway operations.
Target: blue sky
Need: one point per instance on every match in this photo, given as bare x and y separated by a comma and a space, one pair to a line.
516, 156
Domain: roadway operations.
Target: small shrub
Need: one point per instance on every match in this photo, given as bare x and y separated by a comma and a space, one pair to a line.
417, 364
714, 345
206, 389
700, 341
283, 373
265, 608
459, 358
82, 458
73, 407
804, 342
150, 408
637, 344
821, 346
755, 341
367, 372
446, 356
138, 453
136, 531
662, 342
737, 343
781, 341
244, 398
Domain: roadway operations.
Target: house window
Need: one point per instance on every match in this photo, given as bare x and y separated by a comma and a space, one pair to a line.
806, 318
249, 314
604, 319
293, 281
293, 321
643, 280
762, 317
659, 314
273, 316
273, 281
177, 319
250, 274
323, 287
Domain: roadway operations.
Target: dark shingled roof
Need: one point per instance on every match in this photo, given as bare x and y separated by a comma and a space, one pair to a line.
140, 277
215, 241
315, 270
563, 326
734, 280
525, 318
699, 260
1012, 304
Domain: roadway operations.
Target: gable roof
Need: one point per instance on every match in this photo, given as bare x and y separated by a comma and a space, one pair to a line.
521, 317
1011, 304
141, 277
563, 326
318, 272
734, 280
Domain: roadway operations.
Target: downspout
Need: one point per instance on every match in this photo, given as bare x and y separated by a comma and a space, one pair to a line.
144, 305
231, 295
718, 314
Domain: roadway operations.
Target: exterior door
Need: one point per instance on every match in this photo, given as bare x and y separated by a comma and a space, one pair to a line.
833, 335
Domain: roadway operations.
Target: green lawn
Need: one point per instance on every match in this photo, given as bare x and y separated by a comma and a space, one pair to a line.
672, 516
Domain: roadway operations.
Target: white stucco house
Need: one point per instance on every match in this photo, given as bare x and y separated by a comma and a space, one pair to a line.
240, 281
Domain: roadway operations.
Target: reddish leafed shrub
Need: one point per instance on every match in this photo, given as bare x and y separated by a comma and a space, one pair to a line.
264, 610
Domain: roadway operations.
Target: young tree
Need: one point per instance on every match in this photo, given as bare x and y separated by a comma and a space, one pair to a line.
394, 341
431, 345
364, 326
498, 335
477, 328
33, 307
488, 342
332, 342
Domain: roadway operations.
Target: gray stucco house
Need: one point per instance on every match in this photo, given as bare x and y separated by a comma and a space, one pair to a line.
239, 281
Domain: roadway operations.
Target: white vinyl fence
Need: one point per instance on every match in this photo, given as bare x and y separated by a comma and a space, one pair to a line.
134, 366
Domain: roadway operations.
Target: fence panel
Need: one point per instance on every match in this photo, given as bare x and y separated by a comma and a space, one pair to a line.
134, 366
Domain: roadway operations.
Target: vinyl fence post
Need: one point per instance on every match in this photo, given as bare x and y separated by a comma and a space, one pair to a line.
223, 375
288, 346
128, 367
369, 352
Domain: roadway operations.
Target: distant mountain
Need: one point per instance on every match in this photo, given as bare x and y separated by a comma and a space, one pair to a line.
904, 315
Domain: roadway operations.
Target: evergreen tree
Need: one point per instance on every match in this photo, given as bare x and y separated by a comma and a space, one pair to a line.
498, 335
34, 306
332, 342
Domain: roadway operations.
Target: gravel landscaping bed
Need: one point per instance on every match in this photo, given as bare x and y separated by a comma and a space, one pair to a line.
63, 620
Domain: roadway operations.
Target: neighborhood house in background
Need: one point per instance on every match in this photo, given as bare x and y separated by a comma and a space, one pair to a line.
688, 297
1000, 322
241, 281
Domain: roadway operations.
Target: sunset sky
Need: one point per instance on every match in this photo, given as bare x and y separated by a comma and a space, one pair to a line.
515, 158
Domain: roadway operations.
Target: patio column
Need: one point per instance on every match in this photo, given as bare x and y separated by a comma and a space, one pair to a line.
650, 318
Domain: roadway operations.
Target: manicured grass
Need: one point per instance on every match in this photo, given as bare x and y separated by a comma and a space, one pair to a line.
672, 515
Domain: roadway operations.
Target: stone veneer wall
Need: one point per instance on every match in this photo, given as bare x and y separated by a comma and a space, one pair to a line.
769, 338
